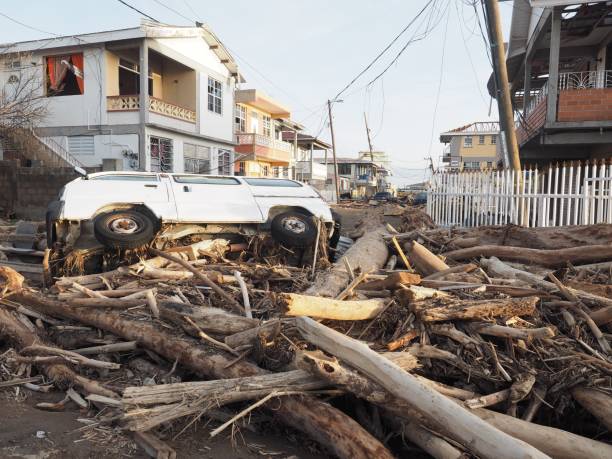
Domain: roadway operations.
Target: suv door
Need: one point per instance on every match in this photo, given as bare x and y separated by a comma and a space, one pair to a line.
214, 199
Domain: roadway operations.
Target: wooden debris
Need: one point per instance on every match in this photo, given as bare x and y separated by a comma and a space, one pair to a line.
325, 308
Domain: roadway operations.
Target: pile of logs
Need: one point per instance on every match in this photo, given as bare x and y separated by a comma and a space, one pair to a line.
410, 340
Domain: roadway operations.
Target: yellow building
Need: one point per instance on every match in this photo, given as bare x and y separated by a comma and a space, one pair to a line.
260, 150
475, 146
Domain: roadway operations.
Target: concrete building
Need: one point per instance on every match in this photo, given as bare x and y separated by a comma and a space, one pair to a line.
98, 116
261, 150
559, 62
358, 178
475, 146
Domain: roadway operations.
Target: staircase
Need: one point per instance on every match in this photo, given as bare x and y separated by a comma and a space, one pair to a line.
24, 144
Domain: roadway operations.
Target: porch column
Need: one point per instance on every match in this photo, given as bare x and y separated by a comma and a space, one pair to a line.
527, 85
143, 100
553, 66
311, 161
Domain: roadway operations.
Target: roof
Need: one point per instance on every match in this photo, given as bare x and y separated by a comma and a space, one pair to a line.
262, 101
476, 128
147, 29
305, 139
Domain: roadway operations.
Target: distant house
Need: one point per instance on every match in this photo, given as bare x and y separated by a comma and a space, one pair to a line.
358, 177
258, 123
559, 62
151, 98
475, 146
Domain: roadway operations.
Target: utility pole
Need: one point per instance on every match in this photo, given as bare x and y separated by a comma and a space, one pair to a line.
333, 137
369, 140
504, 103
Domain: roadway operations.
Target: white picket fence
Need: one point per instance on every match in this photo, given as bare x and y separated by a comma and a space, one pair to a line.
558, 195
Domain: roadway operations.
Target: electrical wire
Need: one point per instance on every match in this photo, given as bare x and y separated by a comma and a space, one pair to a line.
28, 26
169, 8
139, 11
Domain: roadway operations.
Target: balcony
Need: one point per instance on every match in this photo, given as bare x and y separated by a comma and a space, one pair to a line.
365, 180
259, 146
132, 103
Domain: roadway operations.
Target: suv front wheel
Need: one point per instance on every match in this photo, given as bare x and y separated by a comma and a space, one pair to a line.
124, 229
294, 229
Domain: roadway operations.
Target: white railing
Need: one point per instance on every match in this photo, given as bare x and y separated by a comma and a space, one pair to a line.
263, 141
132, 103
567, 194
593, 79
537, 98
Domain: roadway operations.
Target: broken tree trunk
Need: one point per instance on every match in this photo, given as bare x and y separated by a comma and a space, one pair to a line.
423, 260
458, 423
551, 258
59, 373
370, 252
554, 442
327, 308
333, 429
481, 309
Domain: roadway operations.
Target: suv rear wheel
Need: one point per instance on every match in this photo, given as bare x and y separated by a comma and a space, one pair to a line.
294, 229
124, 229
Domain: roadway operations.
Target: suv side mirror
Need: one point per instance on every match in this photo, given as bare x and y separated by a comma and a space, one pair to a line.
80, 171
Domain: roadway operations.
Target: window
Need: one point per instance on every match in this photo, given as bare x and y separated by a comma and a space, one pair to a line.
241, 168
254, 122
64, 75
240, 118
127, 177
467, 141
489, 164
161, 154
267, 123
81, 144
272, 182
197, 158
215, 92
12, 65
224, 162
481, 140
493, 139
200, 180
471, 165
344, 169
265, 170
129, 79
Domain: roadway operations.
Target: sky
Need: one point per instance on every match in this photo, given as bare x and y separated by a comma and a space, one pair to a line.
303, 52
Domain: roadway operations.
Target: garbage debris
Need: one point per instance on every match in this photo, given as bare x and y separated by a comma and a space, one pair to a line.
453, 342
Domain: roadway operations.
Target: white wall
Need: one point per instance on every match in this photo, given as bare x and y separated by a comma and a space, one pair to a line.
107, 146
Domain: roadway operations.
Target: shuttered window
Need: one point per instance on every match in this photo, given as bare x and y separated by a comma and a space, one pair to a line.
81, 144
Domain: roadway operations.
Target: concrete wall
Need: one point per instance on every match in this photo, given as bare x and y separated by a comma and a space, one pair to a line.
26, 191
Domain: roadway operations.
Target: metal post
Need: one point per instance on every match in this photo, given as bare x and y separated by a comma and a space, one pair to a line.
369, 140
504, 102
553, 66
333, 138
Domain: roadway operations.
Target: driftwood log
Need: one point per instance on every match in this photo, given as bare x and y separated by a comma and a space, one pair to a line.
550, 258
480, 309
458, 423
327, 308
425, 262
331, 428
368, 253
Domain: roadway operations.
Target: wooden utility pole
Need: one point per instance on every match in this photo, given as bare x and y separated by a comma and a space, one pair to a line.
369, 140
333, 137
504, 103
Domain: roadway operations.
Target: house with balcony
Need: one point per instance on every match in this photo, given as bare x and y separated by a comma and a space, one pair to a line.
359, 178
259, 123
559, 60
475, 146
151, 98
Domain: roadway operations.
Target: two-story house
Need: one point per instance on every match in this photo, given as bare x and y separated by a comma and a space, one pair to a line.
358, 178
475, 146
559, 61
259, 123
154, 97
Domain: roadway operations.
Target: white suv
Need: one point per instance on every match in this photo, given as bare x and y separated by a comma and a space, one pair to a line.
127, 209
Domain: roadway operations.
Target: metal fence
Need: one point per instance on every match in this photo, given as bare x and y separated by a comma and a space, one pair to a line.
558, 195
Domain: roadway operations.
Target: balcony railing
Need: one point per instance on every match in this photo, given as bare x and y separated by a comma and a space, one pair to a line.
132, 103
272, 149
537, 98
593, 79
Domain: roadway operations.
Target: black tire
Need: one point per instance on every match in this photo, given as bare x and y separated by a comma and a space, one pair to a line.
124, 229
294, 229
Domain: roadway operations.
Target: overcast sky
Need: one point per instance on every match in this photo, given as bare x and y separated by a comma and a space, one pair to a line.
303, 52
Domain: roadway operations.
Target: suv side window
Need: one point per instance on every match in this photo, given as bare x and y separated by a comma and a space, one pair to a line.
272, 182
202, 180
127, 178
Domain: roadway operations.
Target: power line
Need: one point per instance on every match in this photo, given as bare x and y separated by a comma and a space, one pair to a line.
138, 11
28, 26
397, 37
178, 13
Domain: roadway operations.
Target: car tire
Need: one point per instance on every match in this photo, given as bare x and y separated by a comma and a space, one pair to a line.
124, 229
294, 229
